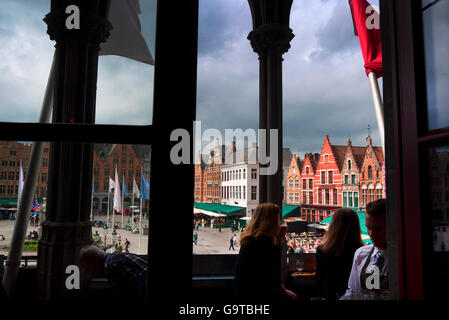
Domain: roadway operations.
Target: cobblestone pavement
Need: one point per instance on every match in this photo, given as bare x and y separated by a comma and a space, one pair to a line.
210, 241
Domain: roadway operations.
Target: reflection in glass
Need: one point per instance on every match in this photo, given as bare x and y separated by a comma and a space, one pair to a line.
439, 185
436, 44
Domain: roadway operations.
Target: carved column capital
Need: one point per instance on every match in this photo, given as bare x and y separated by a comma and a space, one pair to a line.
271, 37
93, 28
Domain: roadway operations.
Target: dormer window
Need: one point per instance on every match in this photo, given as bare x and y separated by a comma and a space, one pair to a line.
294, 170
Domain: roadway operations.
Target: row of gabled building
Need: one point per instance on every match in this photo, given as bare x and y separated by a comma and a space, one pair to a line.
339, 176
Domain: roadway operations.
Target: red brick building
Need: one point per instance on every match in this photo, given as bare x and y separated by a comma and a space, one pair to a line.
371, 174
307, 185
130, 161
11, 154
293, 181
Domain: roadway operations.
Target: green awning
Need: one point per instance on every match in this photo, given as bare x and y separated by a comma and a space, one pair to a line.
361, 219
290, 211
367, 241
220, 209
12, 202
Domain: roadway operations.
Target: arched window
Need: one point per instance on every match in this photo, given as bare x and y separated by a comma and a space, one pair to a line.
349, 164
370, 172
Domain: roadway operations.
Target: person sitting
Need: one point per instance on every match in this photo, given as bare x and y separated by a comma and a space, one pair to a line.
334, 257
126, 272
371, 258
258, 271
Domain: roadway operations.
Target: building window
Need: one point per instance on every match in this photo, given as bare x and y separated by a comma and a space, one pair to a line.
350, 199
4, 163
244, 191
323, 177
123, 160
370, 172
96, 172
296, 184
353, 179
311, 197
364, 197
345, 199
12, 152
290, 184
2, 189
106, 172
310, 183
296, 197
12, 163
326, 159
10, 190
44, 177
123, 149
320, 196
327, 195
371, 195
331, 177
294, 170
45, 150
335, 197
244, 173
346, 179
131, 160
290, 197
304, 183
349, 164
253, 174
379, 193
11, 175
304, 197
253, 192
356, 199
307, 170
115, 159
3, 175
45, 162
106, 186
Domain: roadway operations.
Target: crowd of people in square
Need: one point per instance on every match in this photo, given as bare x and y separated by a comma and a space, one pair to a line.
306, 242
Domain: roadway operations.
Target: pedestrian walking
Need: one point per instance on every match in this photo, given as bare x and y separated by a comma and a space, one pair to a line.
195, 238
231, 244
127, 243
234, 239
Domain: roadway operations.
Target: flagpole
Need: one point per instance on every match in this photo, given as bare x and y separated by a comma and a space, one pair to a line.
140, 218
123, 207
107, 213
23, 210
132, 208
378, 107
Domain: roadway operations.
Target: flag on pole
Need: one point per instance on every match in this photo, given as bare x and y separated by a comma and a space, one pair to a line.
367, 28
145, 188
35, 207
125, 190
126, 38
21, 181
117, 199
111, 184
136, 190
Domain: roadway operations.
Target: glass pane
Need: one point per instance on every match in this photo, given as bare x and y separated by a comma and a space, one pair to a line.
125, 86
436, 43
439, 213
25, 59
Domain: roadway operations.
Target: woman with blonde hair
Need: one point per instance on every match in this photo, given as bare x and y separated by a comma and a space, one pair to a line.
334, 257
258, 273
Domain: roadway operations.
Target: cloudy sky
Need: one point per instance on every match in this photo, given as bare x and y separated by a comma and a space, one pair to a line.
325, 89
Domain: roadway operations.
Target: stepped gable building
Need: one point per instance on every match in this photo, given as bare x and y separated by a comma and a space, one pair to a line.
130, 160
307, 185
293, 180
11, 154
351, 168
371, 174
200, 179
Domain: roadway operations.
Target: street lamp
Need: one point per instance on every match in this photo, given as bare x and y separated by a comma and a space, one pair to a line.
270, 38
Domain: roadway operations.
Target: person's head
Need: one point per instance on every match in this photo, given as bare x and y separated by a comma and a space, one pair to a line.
376, 223
92, 260
265, 221
343, 232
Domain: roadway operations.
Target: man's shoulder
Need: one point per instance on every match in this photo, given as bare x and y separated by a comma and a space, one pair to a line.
363, 251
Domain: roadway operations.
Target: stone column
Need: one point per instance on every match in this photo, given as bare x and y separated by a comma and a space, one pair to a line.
270, 39
68, 227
